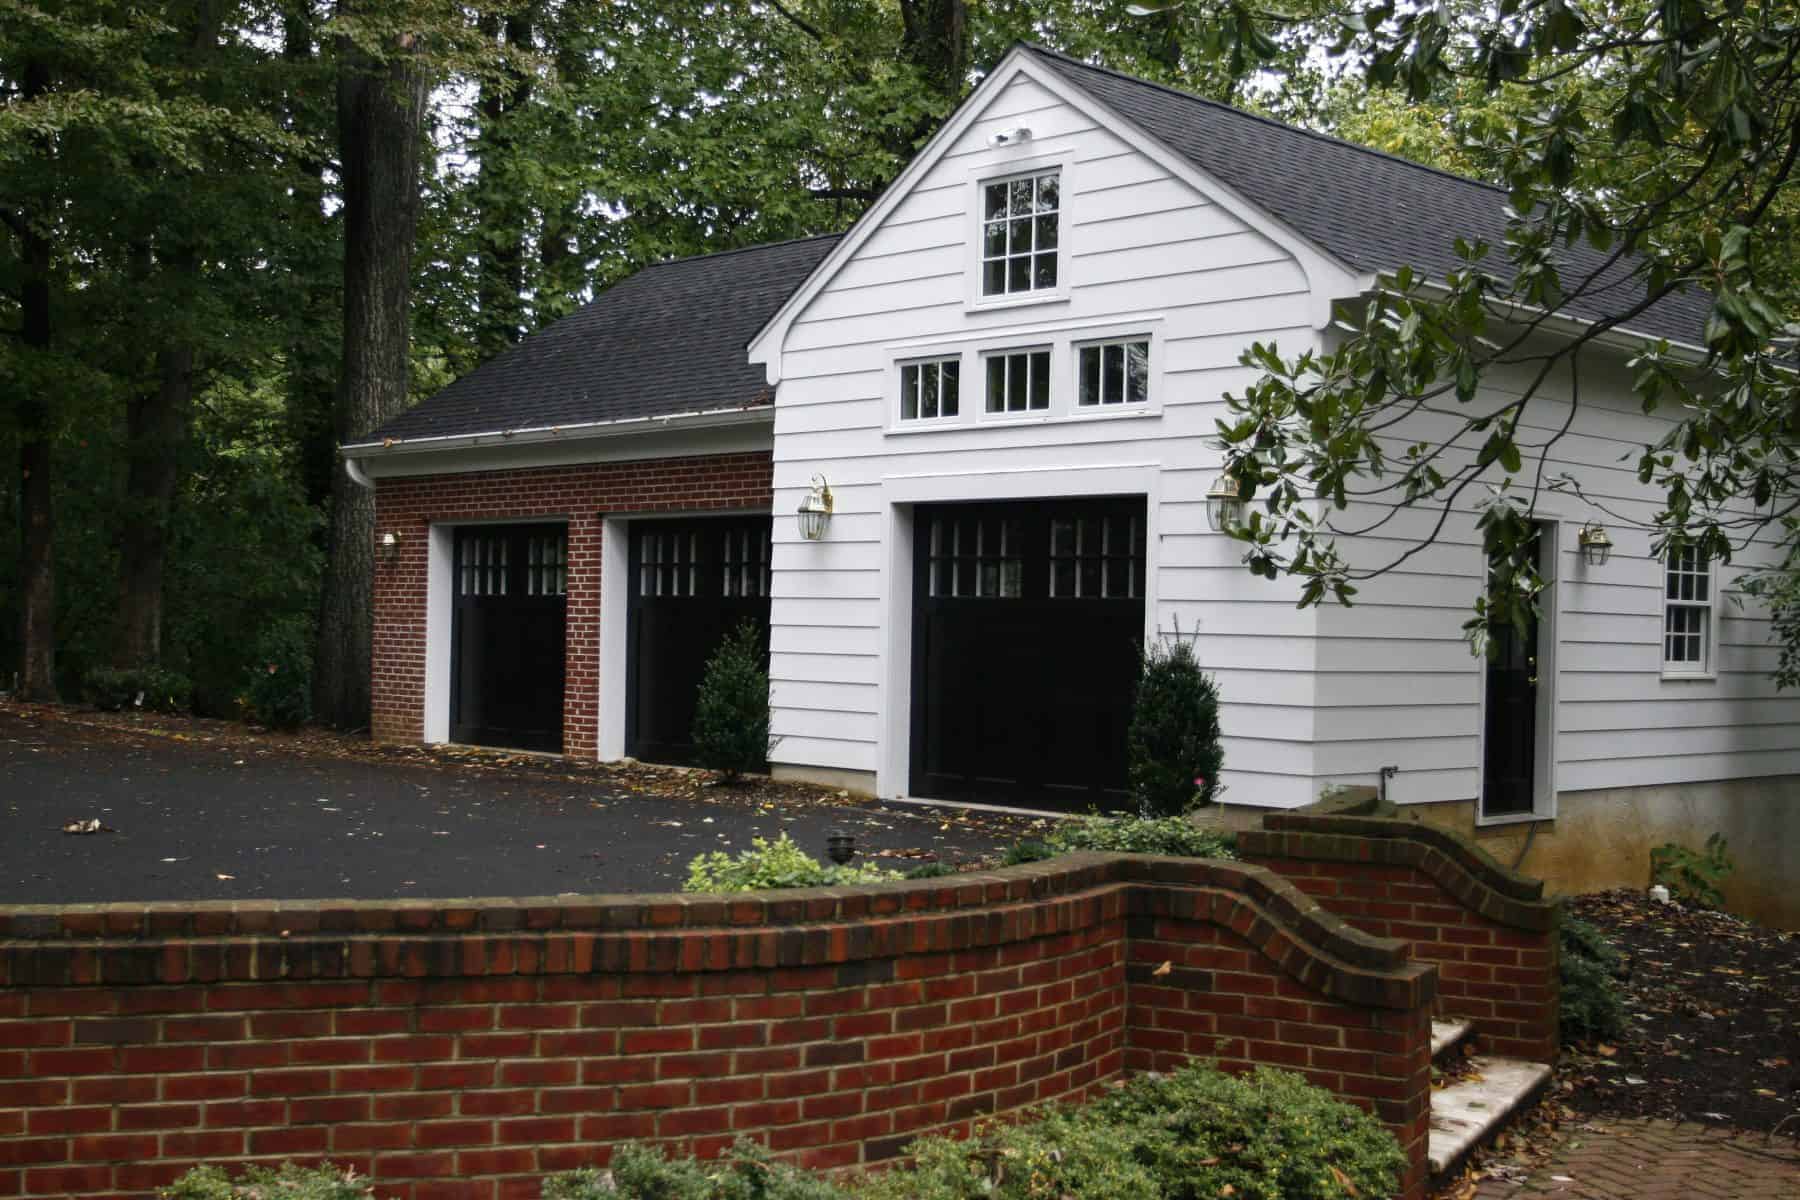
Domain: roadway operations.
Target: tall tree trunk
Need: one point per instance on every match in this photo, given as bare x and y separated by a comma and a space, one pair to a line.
380, 107
935, 39
500, 210
156, 431
37, 566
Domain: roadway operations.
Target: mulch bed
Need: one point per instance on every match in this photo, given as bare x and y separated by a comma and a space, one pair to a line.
1712, 1012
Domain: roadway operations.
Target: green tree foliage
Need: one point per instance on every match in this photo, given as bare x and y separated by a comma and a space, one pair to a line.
1660, 141
1172, 744
731, 712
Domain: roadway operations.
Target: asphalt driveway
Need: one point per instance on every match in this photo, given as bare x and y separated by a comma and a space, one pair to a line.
211, 811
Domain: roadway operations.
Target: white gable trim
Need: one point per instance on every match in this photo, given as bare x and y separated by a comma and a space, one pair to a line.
1328, 278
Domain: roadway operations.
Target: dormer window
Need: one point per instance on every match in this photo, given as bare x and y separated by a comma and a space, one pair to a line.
1019, 233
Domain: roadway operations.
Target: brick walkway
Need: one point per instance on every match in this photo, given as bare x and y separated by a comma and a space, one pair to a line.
1658, 1160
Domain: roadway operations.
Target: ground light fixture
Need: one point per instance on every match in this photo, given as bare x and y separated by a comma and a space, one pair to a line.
840, 846
1596, 547
1225, 503
815, 509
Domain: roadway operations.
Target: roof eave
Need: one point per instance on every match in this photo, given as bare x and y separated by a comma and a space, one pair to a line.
715, 418
1619, 337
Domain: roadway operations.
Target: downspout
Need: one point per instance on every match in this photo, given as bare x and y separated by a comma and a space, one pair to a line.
353, 468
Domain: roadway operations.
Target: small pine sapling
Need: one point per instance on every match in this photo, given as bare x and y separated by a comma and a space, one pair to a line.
731, 714
1173, 743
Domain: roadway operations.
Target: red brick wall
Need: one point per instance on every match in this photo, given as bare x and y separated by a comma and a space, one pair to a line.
1496, 953
582, 494
466, 1049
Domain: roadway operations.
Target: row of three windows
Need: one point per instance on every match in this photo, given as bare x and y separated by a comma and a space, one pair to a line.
1108, 374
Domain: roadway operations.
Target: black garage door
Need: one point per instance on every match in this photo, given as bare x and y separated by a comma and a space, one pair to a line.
508, 636
692, 581
1027, 622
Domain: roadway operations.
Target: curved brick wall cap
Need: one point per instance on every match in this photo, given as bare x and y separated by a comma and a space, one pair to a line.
1343, 833
815, 927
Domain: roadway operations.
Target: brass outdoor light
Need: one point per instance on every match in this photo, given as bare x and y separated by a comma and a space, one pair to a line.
1225, 503
390, 545
1596, 547
815, 509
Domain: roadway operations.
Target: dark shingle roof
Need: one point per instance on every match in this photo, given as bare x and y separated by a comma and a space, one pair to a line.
669, 339
1373, 211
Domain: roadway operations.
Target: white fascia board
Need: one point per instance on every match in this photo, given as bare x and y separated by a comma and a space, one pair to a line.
1619, 337
360, 457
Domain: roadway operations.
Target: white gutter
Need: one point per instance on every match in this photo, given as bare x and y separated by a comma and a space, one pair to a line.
357, 475
712, 418
1619, 337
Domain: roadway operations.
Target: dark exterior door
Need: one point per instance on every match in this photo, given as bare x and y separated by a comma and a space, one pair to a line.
1509, 747
508, 634
1028, 619
692, 582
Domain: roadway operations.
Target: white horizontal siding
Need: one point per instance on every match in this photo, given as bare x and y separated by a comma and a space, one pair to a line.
1140, 245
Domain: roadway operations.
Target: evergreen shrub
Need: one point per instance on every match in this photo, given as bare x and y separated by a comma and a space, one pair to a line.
1176, 836
288, 1182
1590, 1007
641, 1172
278, 684
731, 712
1173, 745
147, 689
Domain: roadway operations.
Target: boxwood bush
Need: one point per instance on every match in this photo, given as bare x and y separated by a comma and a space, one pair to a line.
149, 689
263, 1183
1589, 998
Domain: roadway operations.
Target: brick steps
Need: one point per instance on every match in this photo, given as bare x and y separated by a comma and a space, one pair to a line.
1470, 1113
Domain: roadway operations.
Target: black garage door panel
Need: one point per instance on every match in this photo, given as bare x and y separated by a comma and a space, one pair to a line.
692, 582
1028, 620
508, 636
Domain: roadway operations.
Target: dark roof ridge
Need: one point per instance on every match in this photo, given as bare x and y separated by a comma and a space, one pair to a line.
1371, 151
793, 241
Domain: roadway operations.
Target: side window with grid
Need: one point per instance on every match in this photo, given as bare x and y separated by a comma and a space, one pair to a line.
1687, 612
1097, 558
668, 563
977, 557
1018, 382
746, 562
546, 565
1020, 233
929, 390
1114, 373
483, 565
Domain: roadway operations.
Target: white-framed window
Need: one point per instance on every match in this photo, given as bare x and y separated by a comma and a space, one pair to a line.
930, 389
1021, 233
1687, 612
1018, 381
1112, 373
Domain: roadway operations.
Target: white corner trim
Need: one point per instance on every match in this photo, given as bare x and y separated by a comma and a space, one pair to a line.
440, 551
615, 581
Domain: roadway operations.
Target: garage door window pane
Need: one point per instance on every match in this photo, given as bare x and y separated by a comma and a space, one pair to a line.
976, 558
483, 565
546, 566
1097, 558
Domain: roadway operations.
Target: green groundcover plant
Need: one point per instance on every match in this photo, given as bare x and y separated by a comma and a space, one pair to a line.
288, 1182
1195, 1134
774, 864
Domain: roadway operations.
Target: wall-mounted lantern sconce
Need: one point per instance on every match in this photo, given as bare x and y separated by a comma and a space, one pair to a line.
1225, 503
815, 509
390, 545
1596, 547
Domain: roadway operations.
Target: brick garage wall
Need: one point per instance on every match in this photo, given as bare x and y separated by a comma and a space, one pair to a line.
1491, 934
467, 1049
583, 495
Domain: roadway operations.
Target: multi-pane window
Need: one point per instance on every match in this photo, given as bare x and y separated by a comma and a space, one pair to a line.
668, 563
980, 557
1019, 234
483, 566
546, 565
1097, 557
1114, 373
1687, 610
1018, 382
928, 390
746, 562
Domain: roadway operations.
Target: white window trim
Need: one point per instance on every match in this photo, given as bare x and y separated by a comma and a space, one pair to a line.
1063, 339
1023, 415
994, 168
1708, 668
1075, 351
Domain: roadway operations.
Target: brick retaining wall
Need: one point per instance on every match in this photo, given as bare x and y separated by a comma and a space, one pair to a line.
582, 495
1490, 932
466, 1049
